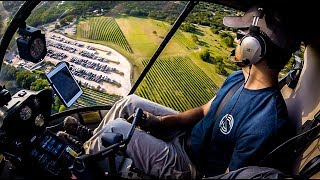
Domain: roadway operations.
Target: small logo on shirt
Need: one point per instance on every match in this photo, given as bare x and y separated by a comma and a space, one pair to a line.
226, 124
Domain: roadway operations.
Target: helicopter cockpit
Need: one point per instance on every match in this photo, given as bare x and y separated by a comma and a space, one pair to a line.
174, 53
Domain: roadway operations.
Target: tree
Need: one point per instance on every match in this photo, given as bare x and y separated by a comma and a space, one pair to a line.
229, 41
219, 59
300, 54
205, 55
57, 26
63, 22
195, 38
188, 27
56, 104
223, 34
214, 30
62, 108
220, 69
290, 63
39, 84
25, 78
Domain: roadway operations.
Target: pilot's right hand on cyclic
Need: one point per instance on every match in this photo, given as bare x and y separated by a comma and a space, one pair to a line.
149, 120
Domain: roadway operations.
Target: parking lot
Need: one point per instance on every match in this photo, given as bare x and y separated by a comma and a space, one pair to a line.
95, 66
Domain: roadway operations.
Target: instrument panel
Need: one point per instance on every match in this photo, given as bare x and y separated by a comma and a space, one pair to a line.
31, 110
26, 113
24, 136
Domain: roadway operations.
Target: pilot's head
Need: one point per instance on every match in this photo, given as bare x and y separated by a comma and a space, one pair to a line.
262, 36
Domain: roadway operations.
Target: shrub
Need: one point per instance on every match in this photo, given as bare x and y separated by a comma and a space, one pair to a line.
205, 55
220, 69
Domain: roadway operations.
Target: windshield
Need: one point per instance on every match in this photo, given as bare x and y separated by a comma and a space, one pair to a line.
109, 43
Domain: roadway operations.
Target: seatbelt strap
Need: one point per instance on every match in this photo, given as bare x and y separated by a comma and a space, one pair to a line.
225, 100
222, 104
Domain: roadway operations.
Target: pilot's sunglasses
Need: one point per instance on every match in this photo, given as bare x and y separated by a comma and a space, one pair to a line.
241, 34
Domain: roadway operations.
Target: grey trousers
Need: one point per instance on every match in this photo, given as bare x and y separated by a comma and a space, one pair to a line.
154, 156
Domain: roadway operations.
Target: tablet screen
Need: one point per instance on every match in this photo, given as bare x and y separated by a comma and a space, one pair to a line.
64, 84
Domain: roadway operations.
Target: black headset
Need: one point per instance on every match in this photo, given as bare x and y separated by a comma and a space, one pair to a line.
253, 44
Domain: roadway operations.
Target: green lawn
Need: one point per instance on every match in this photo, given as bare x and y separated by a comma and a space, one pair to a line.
145, 35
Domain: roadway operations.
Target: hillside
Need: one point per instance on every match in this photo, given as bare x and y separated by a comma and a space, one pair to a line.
138, 38
3, 16
144, 35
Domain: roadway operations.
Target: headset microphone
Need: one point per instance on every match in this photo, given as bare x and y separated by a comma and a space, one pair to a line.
233, 52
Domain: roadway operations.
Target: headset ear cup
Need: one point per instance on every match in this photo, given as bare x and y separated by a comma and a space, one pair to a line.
251, 50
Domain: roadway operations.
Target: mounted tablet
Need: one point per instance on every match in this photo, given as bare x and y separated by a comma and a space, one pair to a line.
64, 84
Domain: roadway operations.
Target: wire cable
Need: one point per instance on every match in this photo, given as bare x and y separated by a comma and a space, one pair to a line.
53, 126
291, 139
244, 84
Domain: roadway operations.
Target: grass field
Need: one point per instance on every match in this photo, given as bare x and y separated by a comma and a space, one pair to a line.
145, 35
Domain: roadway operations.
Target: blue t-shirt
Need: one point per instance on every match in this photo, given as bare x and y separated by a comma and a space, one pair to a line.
244, 134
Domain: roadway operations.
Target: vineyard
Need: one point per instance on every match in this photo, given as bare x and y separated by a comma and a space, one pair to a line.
92, 97
180, 37
178, 83
103, 28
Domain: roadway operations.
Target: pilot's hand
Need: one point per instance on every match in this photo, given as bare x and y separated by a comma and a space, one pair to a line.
149, 120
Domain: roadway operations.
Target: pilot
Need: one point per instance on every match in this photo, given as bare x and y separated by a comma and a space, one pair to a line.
232, 130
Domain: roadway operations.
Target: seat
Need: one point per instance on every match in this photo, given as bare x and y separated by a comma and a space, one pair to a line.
303, 101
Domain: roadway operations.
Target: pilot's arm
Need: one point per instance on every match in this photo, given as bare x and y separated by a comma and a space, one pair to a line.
187, 118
